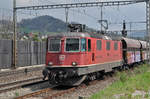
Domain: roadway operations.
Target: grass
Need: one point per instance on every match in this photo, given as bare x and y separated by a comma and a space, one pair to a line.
128, 82
17, 94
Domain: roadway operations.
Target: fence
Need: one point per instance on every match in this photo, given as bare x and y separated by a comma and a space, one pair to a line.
28, 53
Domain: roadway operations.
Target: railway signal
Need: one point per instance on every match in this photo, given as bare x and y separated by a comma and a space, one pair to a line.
124, 31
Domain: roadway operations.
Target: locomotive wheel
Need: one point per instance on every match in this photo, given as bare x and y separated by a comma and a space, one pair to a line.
125, 67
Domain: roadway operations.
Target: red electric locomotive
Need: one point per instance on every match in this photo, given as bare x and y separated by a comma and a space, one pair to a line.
75, 56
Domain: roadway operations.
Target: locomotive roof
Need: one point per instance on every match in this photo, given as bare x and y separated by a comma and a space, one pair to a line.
80, 34
72, 34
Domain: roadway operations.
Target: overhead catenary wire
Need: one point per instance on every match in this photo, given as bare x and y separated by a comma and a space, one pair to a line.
77, 11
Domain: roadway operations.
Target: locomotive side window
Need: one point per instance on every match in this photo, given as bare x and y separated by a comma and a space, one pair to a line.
115, 46
83, 45
54, 45
89, 45
99, 44
108, 45
72, 44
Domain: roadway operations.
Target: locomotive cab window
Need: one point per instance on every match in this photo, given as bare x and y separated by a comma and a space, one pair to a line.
115, 46
83, 45
107, 45
72, 45
54, 45
89, 45
99, 44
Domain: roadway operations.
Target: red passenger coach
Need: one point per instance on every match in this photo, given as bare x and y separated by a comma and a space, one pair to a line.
73, 57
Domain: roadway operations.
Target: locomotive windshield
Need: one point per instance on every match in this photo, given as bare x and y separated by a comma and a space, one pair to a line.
54, 45
72, 44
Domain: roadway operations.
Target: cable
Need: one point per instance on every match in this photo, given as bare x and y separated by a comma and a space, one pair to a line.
72, 10
76, 11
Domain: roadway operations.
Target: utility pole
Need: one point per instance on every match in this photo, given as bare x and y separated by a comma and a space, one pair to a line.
101, 18
14, 62
130, 27
148, 28
67, 14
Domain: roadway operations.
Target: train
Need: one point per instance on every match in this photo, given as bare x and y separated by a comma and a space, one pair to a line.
76, 56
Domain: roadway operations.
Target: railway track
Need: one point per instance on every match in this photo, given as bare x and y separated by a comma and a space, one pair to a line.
50, 93
20, 71
47, 90
20, 74
19, 84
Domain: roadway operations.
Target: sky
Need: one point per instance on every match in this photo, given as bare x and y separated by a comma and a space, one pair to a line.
88, 16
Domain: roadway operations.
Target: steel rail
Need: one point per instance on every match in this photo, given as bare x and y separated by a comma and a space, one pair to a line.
62, 92
34, 93
17, 82
20, 71
20, 84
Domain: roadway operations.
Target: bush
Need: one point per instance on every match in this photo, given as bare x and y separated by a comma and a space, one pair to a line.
123, 77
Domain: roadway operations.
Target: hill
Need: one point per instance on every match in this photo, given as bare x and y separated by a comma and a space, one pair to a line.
42, 24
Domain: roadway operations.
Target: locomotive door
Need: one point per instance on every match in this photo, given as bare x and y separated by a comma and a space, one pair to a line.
108, 51
91, 53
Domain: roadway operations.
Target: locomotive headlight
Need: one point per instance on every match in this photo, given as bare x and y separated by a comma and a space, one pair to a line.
74, 64
50, 63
